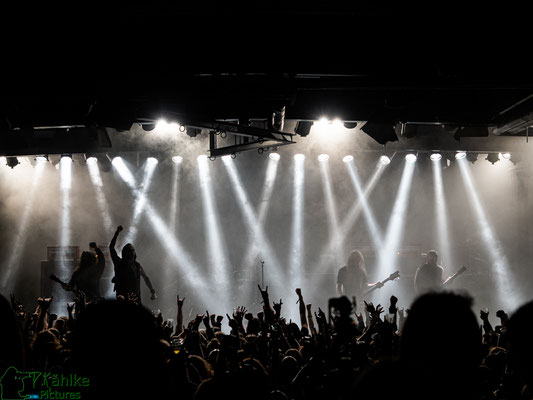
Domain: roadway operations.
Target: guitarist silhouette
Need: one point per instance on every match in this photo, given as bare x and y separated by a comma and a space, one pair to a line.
428, 277
352, 279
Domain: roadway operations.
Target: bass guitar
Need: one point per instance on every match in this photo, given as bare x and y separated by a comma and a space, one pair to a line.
451, 278
393, 276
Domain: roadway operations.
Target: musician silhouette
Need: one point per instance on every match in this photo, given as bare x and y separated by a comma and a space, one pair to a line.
352, 279
428, 276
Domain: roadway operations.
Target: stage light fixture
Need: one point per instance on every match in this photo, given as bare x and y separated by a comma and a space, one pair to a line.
385, 160
323, 157
274, 156
515, 158
41, 158
201, 157
226, 157
66, 157
191, 132
3, 161
91, 160
492, 158
435, 157
460, 155
381, 132
411, 157
299, 157
12, 162
504, 156
303, 128
152, 160
472, 157
347, 159
177, 159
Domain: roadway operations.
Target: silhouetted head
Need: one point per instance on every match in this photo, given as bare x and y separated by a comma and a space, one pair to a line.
128, 252
356, 259
432, 257
441, 331
87, 259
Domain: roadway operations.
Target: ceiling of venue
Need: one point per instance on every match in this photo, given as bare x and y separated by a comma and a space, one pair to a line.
103, 66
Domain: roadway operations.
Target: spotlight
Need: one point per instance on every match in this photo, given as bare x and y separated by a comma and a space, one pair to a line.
202, 157
347, 159
91, 160
410, 158
66, 157
299, 157
274, 156
492, 158
2, 161
148, 127
41, 158
323, 157
226, 157
191, 132
12, 162
435, 157
384, 160
303, 128
460, 155
515, 158
350, 124
182, 128
504, 156
161, 124
152, 160
116, 160
177, 159
472, 157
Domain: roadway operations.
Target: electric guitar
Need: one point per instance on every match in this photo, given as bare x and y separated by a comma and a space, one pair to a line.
56, 279
451, 278
391, 277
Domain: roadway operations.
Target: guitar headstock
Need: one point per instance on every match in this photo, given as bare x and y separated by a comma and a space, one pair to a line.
463, 269
394, 275
54, 278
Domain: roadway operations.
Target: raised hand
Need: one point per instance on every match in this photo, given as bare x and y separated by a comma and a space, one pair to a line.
232, 323
484, 315
264, 294
153, 296
401, 312
238, 313
308, 308
44, 303
70, 308
120, 228
93, 245
205, 319
393, 302
132, 297
219, 320
180, 301
277, 307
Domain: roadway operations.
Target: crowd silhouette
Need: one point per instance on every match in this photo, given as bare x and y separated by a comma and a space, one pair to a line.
436, 350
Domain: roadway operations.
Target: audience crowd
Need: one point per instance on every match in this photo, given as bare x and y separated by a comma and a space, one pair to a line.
435, 350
